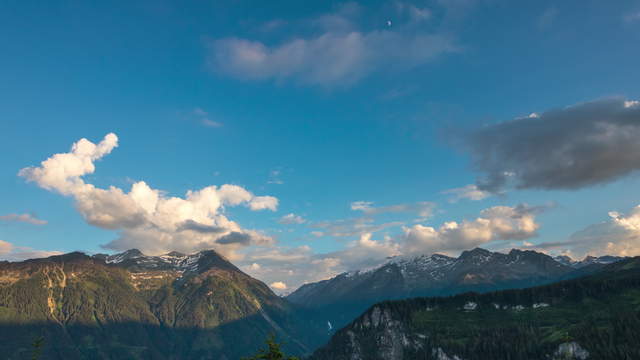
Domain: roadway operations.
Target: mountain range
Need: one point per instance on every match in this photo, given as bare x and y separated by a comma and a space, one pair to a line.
340, 299
201, 306
592, 317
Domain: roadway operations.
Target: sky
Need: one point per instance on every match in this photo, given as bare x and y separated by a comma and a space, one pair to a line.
305, 139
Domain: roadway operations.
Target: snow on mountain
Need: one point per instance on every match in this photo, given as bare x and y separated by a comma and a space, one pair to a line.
171, 261
589, 260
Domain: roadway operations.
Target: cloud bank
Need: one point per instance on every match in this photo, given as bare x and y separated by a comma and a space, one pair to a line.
299, 265
147, 218
591, 143
495, 223
620, 235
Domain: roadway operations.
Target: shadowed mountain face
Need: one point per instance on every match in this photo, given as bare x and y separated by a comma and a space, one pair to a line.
134, 306
340, 299
592, 317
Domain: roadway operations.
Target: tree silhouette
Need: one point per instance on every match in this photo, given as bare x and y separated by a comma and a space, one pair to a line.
272, 352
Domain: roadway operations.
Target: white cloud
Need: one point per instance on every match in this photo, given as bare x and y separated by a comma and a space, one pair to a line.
300, 265
5, 247
470, 192
339, 53
361, 205
620, 235
495, 223
291, 219
423, 209
26, 218
264, 202
62, 172
10, 252
211, 123
631, 103
147, 218
204, 118
278, 285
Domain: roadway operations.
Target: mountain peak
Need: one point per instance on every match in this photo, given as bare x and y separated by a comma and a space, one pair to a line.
68, 257
476, 254
175, 254
137, 261
123, 256
477, 251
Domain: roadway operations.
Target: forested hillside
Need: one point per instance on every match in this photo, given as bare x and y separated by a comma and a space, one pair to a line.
594, 317
133, 306
341, 299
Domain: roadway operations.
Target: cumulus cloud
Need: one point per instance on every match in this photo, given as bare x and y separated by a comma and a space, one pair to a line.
19, 253
291, 219
147, 218
495, 223
469, 192
264, 203
570, 148
5, 247
278, 285
25, 218
620, 235
336, 53
423, 209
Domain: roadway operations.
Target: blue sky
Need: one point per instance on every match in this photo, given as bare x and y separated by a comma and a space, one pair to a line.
325, 106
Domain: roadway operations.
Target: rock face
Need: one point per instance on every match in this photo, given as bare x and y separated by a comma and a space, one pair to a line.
569, 351
129, 305
342, 298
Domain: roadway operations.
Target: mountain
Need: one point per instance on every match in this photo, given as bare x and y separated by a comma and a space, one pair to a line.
587, 261
340, 299
133, 306
592, 317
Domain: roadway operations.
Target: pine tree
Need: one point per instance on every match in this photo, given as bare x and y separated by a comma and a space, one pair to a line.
272, 352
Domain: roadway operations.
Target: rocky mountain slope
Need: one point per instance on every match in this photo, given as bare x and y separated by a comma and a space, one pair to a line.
593, 317
340, 299
132, 306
